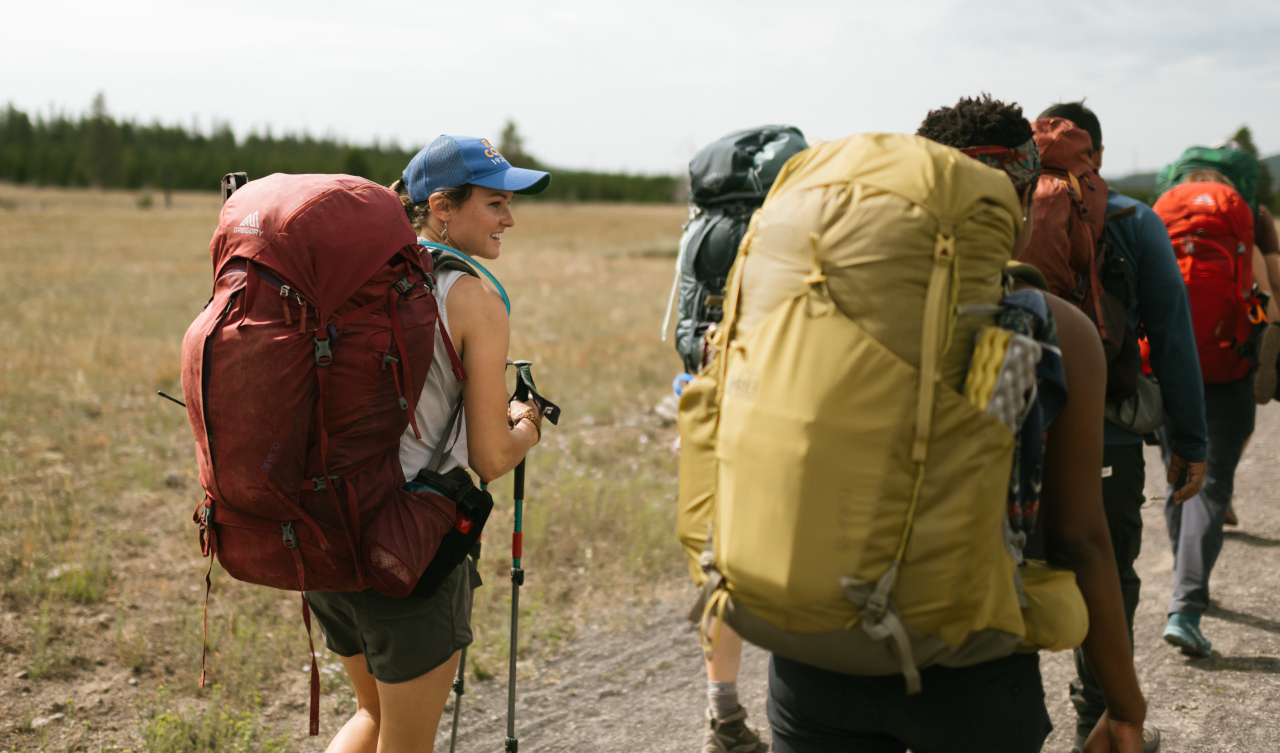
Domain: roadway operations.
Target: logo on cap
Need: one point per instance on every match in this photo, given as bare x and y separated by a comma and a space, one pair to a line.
1205, 198
492, 153
249, 225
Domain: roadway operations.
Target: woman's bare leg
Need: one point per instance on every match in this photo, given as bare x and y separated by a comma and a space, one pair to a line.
360, 733
394, 717
411, 710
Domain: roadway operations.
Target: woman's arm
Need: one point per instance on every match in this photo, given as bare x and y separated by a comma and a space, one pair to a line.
1076, 535
480, 330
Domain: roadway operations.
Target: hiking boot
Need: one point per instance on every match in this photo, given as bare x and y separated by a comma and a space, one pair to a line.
1183, 631
731, 735
1264, 380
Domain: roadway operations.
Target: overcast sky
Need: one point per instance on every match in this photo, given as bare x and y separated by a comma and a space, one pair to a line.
640, 86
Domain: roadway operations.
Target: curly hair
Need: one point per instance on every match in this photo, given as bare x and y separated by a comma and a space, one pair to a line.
418, 213
980, 121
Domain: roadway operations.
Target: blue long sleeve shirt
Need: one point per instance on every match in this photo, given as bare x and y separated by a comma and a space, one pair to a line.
1161, 307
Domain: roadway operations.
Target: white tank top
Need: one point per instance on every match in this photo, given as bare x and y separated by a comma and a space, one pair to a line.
440, 395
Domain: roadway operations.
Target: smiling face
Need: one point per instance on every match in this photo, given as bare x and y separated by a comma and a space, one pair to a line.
476, 225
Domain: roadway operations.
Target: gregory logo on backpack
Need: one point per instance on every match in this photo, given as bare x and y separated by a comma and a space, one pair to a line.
249, 225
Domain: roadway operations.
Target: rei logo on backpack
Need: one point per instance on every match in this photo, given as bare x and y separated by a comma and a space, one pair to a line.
852, 441
1211, 227
300, 376
728, 180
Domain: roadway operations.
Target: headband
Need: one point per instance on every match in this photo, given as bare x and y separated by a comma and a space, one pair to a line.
1022, 163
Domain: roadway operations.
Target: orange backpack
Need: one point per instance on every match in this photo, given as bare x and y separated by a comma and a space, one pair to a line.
1211, 227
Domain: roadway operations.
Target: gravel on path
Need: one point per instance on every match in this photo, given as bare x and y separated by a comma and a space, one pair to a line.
645, 689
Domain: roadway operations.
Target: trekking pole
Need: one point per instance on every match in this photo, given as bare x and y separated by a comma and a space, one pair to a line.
459, 687
460, 681
524, 388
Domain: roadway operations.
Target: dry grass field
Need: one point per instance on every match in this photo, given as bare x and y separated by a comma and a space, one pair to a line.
101, 580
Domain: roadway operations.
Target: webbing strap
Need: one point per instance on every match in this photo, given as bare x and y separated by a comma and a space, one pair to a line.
887, 624
204, 612
353, 538
397, 332
714, 609
944, 255
455, 362
306, 620
302, 515
445, 445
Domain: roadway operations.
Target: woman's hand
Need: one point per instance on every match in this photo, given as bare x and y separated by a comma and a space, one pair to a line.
518, 410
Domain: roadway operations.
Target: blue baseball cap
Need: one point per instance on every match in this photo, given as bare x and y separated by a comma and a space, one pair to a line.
452, 161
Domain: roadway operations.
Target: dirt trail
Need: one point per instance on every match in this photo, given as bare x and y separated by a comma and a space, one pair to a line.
644, 690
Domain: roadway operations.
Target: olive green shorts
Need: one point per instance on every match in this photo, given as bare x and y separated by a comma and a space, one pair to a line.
401, 639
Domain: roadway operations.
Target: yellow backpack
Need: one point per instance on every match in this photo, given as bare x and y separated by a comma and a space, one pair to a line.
847, 502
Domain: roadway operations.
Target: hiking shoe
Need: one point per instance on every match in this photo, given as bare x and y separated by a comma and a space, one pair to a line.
731, 735
1264, 380
1229, 517
1150, 740
1183, 631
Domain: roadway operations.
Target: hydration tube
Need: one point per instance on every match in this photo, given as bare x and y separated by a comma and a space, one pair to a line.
451, 250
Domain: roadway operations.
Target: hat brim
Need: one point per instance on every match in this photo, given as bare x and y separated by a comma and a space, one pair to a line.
516, 180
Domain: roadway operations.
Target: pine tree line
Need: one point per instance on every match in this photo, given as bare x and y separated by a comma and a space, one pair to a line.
99, 150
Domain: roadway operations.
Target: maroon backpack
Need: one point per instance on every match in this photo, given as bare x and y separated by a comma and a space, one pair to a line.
300, 376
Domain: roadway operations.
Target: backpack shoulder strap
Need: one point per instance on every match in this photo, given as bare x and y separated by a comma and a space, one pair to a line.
446, 444
447, 257
1121, 214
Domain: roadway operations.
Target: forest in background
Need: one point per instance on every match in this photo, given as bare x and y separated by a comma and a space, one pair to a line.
96, 149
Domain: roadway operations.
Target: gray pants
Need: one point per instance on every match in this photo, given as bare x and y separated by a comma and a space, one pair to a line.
1195, 526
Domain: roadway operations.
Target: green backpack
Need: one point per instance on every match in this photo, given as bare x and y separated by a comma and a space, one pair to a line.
1241, 167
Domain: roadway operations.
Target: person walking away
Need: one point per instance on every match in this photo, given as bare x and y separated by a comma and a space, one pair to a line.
1211, 227
838, 342
1151, 287
401, 654
728, 180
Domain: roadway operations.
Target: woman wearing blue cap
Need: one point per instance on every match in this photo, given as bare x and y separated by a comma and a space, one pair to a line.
401, 654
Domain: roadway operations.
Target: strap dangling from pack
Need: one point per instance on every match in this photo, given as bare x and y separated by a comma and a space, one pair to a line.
311, 645
208, 548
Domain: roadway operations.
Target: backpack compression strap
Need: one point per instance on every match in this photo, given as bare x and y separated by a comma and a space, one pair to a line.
880, 618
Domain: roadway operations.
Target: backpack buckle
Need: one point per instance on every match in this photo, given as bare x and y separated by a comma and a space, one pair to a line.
290, 536
319, 483
403, 285
324, 354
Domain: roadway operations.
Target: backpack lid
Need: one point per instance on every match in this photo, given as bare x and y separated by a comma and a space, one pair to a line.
1063, 146
1240, 166
742, 166
325, 235
1212, 207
